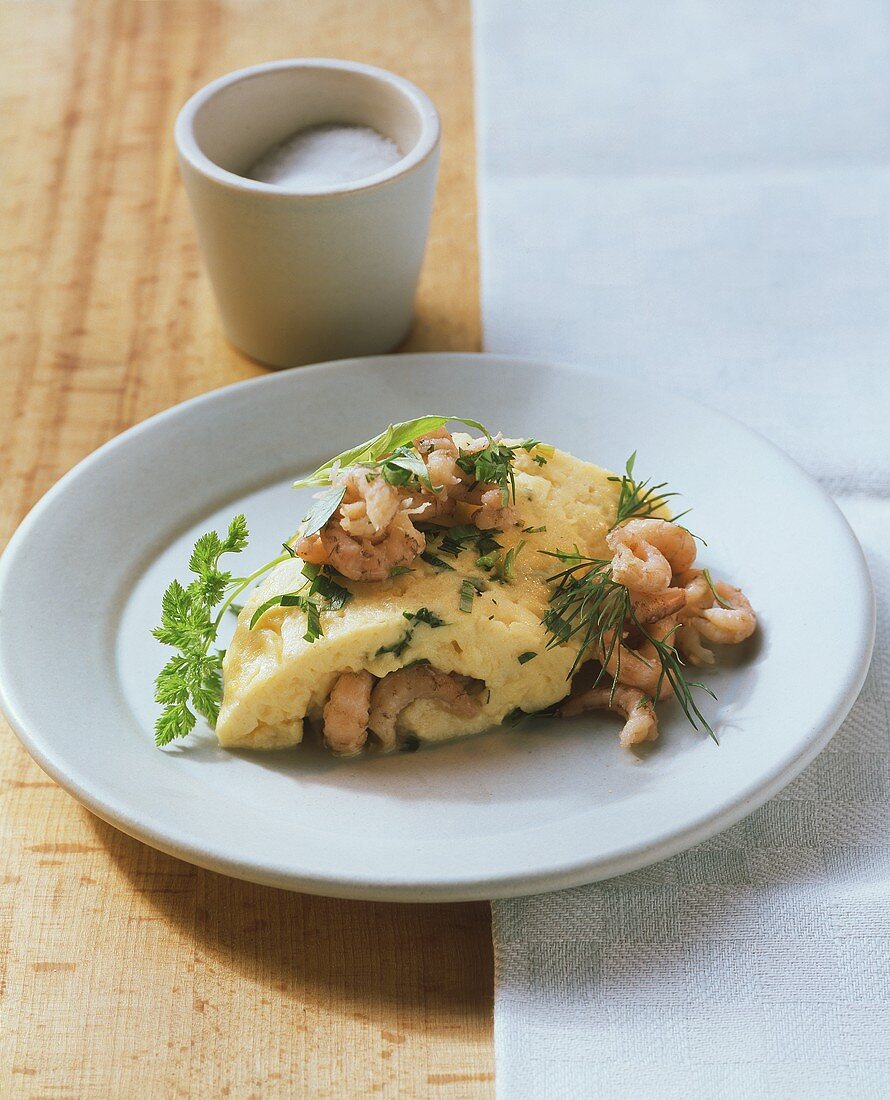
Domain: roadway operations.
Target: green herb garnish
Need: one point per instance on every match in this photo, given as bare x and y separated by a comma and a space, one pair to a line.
493, 465
639, 499
706, 573
533, 530
319, 593
457, 539
587, 602
390, 440
421, 615
470, 588
190, 683
321, 511
400, 570
424, 615
333, 595
397, 648
431, 559
524, 658
507, 569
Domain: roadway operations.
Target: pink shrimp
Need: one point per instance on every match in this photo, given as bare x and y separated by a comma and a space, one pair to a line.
399, 689
640, 667
636, 708
346, 713
647, 552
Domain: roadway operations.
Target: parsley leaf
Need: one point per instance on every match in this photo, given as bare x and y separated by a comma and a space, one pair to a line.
190, 683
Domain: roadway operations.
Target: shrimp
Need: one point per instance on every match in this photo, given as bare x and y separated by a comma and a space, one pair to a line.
346, 713
493, 513
699, 598
728, 625
647, 552
650, 607
637, 709
399, 689
440, 453
370, 504
703, 617
640, 668
369, 559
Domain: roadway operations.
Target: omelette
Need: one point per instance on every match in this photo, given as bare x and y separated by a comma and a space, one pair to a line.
275, 680
441, 584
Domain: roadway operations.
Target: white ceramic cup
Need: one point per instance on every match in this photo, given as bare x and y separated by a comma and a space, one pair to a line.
301, 275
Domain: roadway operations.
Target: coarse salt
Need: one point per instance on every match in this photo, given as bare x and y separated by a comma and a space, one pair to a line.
323, 155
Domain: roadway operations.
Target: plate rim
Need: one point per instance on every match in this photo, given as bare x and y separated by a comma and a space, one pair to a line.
480, 887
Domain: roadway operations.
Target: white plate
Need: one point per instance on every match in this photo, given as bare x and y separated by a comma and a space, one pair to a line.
544, 806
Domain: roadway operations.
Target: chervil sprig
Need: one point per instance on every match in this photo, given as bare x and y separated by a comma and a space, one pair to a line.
191, 683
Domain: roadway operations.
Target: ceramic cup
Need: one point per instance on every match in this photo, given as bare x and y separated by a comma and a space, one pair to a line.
301, 275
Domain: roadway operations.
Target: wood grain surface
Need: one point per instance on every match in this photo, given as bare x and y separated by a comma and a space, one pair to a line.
125, 972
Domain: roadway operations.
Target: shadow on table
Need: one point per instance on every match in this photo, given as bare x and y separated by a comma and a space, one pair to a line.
361, 955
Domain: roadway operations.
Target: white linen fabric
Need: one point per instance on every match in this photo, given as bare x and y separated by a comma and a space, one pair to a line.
698, 194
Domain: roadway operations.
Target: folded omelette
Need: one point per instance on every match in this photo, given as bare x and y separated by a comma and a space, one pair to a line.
459, 618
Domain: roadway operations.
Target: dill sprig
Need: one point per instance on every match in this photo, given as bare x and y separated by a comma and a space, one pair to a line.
586, 601
190, 683
640, 499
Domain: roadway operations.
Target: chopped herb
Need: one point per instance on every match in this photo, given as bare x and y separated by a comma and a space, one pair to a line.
488, 561
533, 530
720, 600
535, 444
283, 599
494, 466
322, 584
313, 621
397, 648
431, 559
424, 615
457, 539
540, 460
400, 570
320, 593
288, 549
470, 588
524, 658
235, 608
507, 571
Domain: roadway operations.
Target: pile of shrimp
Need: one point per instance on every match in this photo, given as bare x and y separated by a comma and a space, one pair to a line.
373, 531
360, 705
675, 603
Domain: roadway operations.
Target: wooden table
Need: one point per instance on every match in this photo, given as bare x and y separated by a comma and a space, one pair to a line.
127, 973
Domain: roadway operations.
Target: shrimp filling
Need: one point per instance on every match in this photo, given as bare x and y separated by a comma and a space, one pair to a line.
359, 704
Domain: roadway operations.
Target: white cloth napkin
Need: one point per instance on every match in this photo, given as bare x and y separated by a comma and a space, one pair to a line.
698, 194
